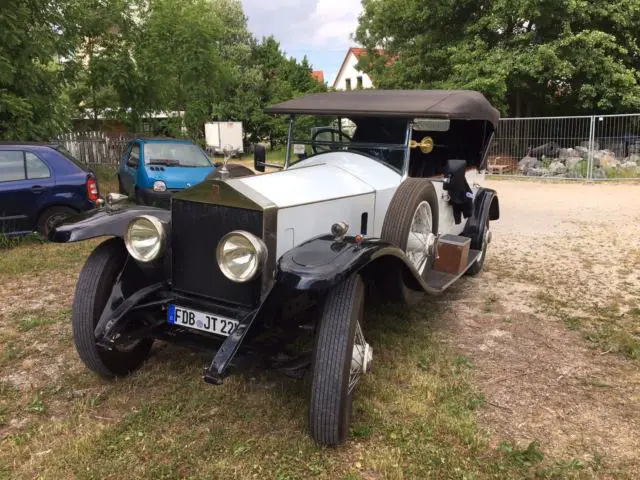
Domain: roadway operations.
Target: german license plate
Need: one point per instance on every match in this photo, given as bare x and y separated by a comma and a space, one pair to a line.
186, 317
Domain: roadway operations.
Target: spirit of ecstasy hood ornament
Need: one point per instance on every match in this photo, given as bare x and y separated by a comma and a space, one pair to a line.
228, 152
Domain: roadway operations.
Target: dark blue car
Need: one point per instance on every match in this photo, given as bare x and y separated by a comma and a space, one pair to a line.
40, 186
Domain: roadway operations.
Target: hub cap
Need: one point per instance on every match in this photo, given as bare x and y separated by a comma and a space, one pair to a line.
360, 359
485, 242
54, 220
421, 242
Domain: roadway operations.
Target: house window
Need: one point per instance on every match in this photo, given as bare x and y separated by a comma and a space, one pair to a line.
360, 83
348, 83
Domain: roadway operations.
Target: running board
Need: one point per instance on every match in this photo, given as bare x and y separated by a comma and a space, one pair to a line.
440, 281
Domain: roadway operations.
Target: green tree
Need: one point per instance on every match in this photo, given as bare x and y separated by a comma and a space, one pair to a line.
128, 58
106, 80
179, 54
33, 44
530, 57
269, 77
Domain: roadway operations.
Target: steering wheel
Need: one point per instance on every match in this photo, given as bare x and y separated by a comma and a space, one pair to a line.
326, 148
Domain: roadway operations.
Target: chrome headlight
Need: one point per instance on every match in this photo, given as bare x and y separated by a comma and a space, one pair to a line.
241, 256
159, 186
145, 238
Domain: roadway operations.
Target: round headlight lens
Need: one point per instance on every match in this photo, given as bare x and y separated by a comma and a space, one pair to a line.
144, 238
159, 186
241, 256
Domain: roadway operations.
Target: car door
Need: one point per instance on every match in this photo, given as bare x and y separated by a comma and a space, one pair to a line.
130, 168
25, 183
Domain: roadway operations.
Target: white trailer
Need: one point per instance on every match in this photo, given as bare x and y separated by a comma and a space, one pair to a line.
219, 134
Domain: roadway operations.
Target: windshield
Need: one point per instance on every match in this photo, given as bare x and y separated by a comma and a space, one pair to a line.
175, 154
381, 138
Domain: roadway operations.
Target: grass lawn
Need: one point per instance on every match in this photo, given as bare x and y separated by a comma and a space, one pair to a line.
415, 417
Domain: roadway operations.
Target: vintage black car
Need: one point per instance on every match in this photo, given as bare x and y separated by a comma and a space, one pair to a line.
384, 196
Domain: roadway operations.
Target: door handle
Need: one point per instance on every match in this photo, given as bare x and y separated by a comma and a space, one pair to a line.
37, 189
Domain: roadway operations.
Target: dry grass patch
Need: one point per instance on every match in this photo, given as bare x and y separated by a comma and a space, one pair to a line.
414, 417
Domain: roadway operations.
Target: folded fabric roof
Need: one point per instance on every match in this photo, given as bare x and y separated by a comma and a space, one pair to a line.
445, 104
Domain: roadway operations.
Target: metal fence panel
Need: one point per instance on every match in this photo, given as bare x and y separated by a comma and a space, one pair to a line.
603, 147
616, 147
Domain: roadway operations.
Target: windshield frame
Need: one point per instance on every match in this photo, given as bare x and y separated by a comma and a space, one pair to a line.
404, 147
188, 145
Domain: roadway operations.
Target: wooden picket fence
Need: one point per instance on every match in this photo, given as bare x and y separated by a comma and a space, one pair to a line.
95, 148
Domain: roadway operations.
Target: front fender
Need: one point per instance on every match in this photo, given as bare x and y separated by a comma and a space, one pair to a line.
108, 221
322, 263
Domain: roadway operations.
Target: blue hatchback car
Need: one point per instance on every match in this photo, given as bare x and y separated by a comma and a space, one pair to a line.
152, 169
41, 185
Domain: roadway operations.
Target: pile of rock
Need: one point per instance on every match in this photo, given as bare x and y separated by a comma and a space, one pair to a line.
551, 161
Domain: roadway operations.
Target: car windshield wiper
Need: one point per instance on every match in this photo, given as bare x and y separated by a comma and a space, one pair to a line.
163, 161
191, 165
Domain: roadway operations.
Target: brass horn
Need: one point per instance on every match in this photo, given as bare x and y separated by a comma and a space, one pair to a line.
425, 145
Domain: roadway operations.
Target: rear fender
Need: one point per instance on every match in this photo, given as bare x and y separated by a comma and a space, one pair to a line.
485, 206
109, 221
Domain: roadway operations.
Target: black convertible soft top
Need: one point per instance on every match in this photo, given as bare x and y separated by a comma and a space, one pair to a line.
445, 104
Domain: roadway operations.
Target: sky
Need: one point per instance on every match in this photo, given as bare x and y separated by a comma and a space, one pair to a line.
319, 29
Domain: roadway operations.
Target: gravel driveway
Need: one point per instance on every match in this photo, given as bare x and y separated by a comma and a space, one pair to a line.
554, 326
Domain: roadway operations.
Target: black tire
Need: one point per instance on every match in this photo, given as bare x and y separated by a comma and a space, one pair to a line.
330, 404
235, 171
94, 287
52, 217
121, 189
137, 197
478, 266
395, 230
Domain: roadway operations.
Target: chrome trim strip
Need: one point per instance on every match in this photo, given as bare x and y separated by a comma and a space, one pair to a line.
292, 121
270, 238
407, 152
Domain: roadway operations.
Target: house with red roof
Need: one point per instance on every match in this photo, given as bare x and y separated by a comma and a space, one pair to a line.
349, 77
318, 75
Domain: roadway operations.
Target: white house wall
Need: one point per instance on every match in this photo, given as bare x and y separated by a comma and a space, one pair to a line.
350, 71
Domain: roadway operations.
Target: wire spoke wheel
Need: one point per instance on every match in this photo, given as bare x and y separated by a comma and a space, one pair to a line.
360, 359
421, 240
